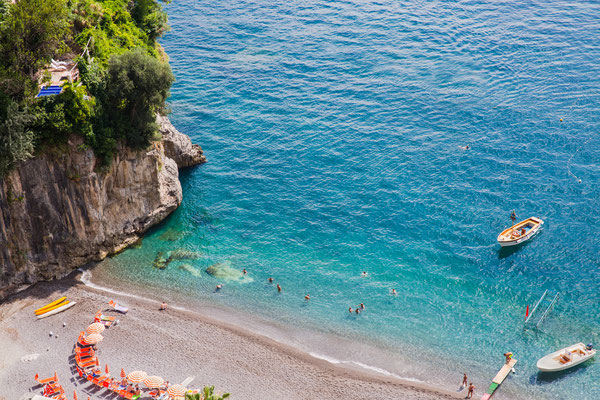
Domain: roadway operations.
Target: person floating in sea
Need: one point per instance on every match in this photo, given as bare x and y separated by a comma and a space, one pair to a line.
307, 297
470, 391
362, 306
394, 293
513, 216
270, 280
364, 274
163, 306
508, 356
350, 310
464, 382
244, 271
278, 288
218, 287
357, 310
465, 147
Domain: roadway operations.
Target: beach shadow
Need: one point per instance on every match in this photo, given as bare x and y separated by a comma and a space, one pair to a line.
545, 378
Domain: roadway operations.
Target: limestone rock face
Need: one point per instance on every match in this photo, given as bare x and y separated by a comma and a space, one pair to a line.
57, 212
179, 147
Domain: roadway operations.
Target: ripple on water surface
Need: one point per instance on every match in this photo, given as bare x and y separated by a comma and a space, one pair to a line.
332, 131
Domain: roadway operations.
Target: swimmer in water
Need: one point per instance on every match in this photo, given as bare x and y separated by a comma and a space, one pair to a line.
350, 310
219, 287
270, 280
394, 292
307, 297
465, 147
362, 306
244, 271
357, 310
278, 288
364, 274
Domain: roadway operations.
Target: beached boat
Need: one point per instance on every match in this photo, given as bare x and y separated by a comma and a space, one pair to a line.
566, 358
42, 310
521, 232
63, 307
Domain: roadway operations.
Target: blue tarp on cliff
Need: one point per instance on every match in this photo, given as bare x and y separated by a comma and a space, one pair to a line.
49, 91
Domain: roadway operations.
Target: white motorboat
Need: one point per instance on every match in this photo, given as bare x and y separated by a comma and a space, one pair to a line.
566, 358
521, 232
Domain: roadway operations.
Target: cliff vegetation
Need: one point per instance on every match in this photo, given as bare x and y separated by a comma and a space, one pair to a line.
124, 77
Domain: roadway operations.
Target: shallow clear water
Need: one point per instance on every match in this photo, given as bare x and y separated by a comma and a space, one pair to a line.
332, 131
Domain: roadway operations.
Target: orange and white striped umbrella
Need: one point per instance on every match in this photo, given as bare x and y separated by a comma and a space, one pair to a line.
94, 338
74, 395
123, 373
106, 369
96, 327
177, 390
137, 376
154, 381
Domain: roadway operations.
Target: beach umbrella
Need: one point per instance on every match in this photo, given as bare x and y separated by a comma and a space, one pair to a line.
176, 390
123, 373
94, 338
154, 381
96, 327
137, 376
106, 369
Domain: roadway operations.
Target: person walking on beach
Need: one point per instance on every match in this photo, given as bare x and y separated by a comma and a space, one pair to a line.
470, 391
278, 288
464, 382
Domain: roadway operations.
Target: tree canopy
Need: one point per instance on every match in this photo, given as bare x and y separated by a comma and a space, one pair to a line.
124, 80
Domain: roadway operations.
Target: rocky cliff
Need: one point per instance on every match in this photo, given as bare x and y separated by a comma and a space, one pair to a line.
57, 213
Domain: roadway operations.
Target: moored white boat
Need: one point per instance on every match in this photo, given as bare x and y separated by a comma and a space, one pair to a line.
566, 358
521, 232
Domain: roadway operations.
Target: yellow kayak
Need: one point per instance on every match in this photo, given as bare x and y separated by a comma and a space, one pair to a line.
50, 306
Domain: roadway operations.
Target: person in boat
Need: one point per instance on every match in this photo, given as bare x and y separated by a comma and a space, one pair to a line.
523, 231
508, 356
470, 391
566, 357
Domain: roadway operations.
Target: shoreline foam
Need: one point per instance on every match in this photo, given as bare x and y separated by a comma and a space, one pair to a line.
235, 359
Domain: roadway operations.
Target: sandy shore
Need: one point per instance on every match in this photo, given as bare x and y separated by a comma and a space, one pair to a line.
174, 344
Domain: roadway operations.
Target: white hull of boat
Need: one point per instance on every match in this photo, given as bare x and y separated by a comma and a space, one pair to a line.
506, 240
57, 310
578, 355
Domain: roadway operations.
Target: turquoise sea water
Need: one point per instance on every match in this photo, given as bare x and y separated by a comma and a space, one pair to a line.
332, 131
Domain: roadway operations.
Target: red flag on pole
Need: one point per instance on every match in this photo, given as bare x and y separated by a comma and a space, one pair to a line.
527, 312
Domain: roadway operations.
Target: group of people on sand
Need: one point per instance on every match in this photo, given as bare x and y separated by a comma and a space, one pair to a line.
470, 388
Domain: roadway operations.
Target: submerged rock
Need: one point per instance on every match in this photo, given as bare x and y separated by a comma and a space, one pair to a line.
194, 271
171, 235
183, 254
160, 262
224, 271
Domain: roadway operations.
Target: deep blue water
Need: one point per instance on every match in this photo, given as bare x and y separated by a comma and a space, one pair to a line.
332, 131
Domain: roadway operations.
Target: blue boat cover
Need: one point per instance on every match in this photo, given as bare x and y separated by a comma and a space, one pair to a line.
49, 91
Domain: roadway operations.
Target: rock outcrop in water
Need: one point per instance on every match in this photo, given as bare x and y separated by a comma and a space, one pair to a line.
58, 213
